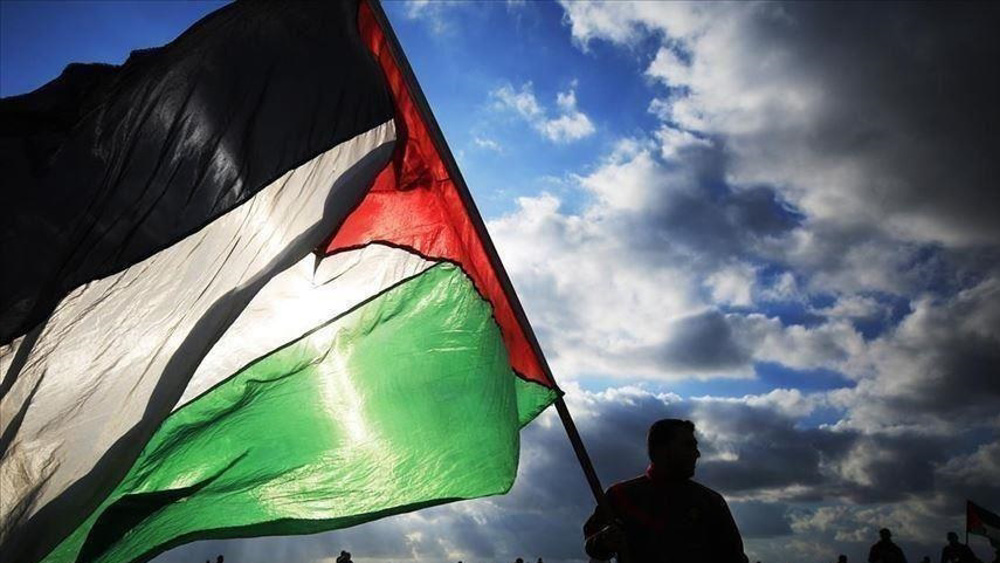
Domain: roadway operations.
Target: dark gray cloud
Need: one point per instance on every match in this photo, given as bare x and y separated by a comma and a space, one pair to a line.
761, 519
771, 452
703, 341
911, 100
937, 368
898, 99
698, 215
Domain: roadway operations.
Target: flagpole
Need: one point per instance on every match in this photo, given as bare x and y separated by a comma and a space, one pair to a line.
967, 506
477, 220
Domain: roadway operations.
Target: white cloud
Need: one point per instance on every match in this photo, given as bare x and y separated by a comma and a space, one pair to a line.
523, 101
434, 13
594, 20
591, 303
854, 307
669, 68
488, 144
627, 184
674, 140
567, 125
733, 285
784, 288
832, 345
978, 468
786, 402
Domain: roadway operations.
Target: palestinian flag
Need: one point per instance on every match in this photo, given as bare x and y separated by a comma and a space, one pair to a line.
982, 522
245, 292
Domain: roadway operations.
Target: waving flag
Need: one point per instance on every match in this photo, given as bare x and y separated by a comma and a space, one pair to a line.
246, 293
982, 522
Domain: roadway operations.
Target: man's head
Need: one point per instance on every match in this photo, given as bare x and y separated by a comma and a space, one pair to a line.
885, 534
841, 559
952, 538
672, 447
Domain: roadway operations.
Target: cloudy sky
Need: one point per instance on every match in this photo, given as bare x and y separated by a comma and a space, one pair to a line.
777, 220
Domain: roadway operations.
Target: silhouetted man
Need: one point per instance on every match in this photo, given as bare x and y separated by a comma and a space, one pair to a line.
344, 557
841, 559
663, 516
885, 551
956, 552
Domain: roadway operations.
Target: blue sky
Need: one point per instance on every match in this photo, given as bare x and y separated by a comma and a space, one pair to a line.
775, 219
513, 47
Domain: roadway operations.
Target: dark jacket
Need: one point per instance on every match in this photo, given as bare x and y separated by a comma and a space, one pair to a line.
886, 552
670, 522
958, 553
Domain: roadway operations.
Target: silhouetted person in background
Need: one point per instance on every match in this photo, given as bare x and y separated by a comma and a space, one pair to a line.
519, 560
219, 559
841, 559
664, 516
344, 557
885, 551
956, 552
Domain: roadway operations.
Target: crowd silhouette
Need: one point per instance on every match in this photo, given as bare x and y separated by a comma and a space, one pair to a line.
883, 551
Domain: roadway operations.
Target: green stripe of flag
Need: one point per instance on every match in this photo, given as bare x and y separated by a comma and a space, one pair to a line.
405, 402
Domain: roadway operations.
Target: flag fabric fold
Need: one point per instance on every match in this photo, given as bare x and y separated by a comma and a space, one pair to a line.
266, 306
